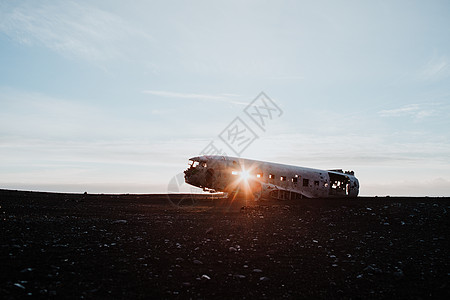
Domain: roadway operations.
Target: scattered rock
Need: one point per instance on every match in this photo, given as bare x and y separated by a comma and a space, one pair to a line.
19, 286
26, 270
398, 274
176, 252
119, 222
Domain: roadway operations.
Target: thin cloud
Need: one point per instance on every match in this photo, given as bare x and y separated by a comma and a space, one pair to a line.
323, 151
101, 165
28, 114
288, 77
230, 98
68, 28
436, 68
416, 111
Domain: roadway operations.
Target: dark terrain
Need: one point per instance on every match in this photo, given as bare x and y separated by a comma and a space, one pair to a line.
143, 246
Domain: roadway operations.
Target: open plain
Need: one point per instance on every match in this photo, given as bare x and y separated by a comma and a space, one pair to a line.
141, 246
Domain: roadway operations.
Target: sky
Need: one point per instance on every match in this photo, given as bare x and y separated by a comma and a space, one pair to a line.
115, 97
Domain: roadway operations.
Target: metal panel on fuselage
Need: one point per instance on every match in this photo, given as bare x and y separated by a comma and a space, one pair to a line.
306, 181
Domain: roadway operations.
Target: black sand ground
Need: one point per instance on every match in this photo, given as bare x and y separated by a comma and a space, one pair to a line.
131, 246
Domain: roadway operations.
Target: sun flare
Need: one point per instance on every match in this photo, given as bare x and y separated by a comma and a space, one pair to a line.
245, 175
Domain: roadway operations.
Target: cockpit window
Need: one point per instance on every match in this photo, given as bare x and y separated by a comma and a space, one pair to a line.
193, 163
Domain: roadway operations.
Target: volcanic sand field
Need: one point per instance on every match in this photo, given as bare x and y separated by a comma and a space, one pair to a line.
142, 246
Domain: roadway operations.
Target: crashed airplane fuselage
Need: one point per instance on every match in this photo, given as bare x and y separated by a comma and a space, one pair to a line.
265, 180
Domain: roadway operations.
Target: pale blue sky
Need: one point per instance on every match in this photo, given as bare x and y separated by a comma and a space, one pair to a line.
113, 96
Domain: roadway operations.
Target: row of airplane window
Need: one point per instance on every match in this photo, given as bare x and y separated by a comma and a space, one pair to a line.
284, 178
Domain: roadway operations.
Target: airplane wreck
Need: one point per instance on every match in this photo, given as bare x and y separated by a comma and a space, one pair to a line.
266, 180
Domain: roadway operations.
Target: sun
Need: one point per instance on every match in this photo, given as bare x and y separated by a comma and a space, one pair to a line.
245, 175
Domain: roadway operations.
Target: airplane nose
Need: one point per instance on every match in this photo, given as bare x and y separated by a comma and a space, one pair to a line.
187, 174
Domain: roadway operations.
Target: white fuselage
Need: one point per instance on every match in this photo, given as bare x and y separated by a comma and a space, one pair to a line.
266, 179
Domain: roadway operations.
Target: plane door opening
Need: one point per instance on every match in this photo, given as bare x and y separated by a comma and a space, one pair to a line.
338, 184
